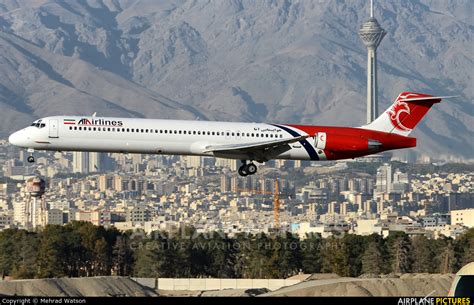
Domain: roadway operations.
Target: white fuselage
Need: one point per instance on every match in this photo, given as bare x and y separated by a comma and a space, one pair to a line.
172, 137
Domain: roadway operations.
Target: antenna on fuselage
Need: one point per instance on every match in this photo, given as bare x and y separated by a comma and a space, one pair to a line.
94, 114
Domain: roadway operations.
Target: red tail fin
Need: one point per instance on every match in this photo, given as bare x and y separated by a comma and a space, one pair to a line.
404, 114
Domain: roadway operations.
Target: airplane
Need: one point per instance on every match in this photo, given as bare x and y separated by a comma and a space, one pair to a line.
247, 142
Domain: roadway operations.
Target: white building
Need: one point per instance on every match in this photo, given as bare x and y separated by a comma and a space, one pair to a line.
463, 217
80, 162
368, 227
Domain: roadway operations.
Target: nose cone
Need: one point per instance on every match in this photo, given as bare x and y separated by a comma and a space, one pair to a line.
17, 138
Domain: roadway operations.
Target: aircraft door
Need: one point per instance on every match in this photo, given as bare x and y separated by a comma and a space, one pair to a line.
53, 129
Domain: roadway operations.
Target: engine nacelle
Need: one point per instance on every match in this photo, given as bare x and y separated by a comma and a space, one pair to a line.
341, 143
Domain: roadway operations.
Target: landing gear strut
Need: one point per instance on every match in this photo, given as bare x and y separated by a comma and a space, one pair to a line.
247, 169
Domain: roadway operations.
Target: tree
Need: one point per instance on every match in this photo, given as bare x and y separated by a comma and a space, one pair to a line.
447, 259
311, 251
334, 256
354, 246
7, 255
122, 259
52, 252
25, 250
145, 262
423, 254
101, 263
401, 255
372, 259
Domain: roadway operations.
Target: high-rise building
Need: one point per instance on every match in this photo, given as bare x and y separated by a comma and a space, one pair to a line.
225, 184
192, 161
95, 162
383, 183
371, 34
80, 162
401, 182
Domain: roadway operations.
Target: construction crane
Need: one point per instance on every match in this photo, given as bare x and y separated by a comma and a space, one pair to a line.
276, 200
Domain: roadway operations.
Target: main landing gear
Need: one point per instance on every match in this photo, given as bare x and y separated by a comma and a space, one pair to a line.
247, 169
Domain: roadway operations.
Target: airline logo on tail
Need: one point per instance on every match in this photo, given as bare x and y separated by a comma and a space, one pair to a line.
399, 111
405, 113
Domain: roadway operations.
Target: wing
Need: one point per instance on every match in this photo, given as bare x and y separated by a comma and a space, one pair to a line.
259, 151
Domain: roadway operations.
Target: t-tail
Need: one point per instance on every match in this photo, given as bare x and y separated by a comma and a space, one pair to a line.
405, 113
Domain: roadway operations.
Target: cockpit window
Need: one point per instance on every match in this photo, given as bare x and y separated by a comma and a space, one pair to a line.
38, 124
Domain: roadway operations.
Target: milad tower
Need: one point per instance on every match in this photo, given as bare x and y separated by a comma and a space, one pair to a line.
371, 34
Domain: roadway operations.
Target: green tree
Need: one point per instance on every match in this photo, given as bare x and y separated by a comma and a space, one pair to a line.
334, 257
7, 255
145, 260
446, 257
101, 264
311, 251
423, 254
122, 260
372, 259
25, 251
52, 252
401, 255
354, 246
464, 248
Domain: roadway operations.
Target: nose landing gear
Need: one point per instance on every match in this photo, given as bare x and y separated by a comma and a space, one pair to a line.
31, 158
247, 169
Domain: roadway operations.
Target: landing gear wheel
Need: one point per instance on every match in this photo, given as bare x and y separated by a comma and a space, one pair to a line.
31, 159
251, 169
243, 171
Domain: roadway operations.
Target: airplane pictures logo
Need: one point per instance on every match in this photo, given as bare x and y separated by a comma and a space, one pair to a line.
93, 122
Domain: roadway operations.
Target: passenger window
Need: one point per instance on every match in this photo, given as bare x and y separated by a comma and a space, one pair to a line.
199, 133
179, 132
218, 133
75, 128
213, 133
175, 132
98, 128
70, 127
194, 132
233, 134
